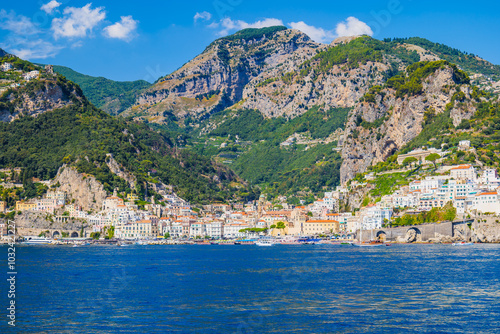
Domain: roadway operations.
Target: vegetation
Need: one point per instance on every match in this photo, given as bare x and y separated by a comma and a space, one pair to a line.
112, 96
467, 61
82, 135
263, 161
410, 84
446, 213
253, 33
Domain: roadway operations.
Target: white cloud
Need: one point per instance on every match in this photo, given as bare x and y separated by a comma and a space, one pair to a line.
202, 16
18, 24
50, 6
77, 21
228, 25
31, 48
353, 27
122, 30
319, 35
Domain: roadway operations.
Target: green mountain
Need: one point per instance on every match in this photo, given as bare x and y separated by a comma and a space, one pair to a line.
63, 127
255, 101
111, 96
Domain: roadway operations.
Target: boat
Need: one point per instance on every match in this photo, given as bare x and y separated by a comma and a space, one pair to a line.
369, 244
265, 242
237, 243
463, 243
37, 241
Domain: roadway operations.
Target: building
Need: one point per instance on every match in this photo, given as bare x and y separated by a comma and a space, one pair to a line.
197, 230
142, 229
31, 75
463, 172
373, 217
420, 154
486, 202
214, 229
58, 196
47, 205
3, 206
321, 226
22, 206
232, 230
464, 145
6, 67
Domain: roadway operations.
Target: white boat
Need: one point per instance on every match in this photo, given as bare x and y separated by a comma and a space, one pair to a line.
37, 241
265, 242
463, 243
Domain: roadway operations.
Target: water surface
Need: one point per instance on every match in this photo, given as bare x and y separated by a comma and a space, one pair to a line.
250, 289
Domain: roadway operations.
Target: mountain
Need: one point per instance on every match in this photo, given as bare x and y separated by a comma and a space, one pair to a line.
48, 123
216, 79
111, 96
254, 100
392, 115
28, 89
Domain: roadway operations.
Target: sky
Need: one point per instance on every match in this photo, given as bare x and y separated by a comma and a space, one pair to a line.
132, 40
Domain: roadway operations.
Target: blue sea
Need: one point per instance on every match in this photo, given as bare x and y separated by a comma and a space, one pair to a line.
250, 289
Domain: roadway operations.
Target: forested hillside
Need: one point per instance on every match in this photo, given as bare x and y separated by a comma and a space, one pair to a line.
111, 96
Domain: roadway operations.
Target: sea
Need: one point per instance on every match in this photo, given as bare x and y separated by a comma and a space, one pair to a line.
251, 289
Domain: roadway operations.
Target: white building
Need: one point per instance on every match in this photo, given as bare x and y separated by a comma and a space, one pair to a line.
7, 67
486, 202
463, 172
214, 229
31, 75
464, 145
232, 230
373, 217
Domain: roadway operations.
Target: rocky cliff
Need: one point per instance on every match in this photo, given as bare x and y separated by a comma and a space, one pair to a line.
45, 91
85, 190
390, 117
217, 78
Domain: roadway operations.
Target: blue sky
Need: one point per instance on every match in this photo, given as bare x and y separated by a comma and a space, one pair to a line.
129, 40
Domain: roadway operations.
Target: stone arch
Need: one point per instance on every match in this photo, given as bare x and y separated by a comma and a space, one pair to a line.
413, 234
56, 234
381, 235
74, 235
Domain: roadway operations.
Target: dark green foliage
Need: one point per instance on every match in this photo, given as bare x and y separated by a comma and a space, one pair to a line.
84, 135
359, 51
253, 33
448, 212
468, 62
284, 170
251, 125
100, 90
410, 84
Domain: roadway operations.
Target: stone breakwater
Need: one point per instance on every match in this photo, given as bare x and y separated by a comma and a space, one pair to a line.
479, 230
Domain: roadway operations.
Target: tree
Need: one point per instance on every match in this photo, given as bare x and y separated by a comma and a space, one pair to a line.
273, 226
409, 161
95, 235
280, 225
167, 235
432, 158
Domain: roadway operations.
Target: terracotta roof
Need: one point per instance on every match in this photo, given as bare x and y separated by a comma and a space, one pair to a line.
462, 167
485, 194
322, 221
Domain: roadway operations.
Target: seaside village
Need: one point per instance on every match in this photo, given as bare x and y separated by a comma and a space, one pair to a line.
468, 189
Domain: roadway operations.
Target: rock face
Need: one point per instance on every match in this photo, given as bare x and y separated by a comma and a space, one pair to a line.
39, 95
33, 223
119, 171
221, 73
391, 122
84, 189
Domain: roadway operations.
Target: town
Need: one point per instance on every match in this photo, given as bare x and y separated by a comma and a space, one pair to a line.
462, 188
